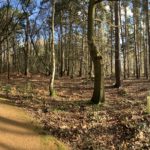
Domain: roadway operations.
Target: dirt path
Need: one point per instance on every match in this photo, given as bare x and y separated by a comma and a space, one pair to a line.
18, 133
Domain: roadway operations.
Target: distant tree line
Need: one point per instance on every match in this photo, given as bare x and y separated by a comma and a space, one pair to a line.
85, 38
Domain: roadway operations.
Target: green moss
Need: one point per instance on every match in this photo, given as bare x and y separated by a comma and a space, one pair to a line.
52, 93
46, 139
148, 104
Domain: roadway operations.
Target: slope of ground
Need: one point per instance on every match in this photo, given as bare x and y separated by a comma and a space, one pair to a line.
18, 133
120, 123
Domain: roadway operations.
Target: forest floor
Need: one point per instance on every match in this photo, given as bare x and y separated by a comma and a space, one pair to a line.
18, 132
120, 123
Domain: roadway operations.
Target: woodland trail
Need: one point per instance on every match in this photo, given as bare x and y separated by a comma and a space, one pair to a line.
18, 132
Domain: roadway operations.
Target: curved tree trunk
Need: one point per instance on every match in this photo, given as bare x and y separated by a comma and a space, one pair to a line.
98, 93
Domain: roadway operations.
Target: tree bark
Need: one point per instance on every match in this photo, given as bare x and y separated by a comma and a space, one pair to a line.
126, 44
1, 59
117, 47
111, 30
7, 44
123, 43
61, 48
81, 57
52, 76
148, 36
98, 93
135, 51
26, 50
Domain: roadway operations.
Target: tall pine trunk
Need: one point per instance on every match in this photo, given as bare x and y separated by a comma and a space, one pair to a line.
62, 65
117, 47
148, 36
7, 44
111, 10
26, 51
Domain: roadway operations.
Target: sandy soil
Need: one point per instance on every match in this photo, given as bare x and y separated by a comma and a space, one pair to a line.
18, 133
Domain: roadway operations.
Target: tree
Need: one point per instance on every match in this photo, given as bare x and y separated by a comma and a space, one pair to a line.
7, 42
52, 76
26, 4
137, 36
148, 35
117, 47
111, 32
98, 93
126, 41
62, 65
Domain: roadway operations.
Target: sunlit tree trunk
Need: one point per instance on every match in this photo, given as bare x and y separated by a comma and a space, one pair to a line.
52, 76
126, 69
123, 43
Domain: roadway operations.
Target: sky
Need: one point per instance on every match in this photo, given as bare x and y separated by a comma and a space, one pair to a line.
129, 10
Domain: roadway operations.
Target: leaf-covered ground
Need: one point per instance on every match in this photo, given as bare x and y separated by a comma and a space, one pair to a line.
120, 123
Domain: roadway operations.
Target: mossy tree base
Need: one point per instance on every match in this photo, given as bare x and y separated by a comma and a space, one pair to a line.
52, 92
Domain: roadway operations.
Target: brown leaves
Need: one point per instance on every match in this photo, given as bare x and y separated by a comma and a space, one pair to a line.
119, 124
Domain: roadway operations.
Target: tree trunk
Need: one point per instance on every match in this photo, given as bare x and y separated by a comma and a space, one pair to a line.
8, 61
26, 71
145, 55
81, 57
61, 48
98, 93
126, 43
52, 76
1, 58
135, 51
117, 47
7, 45
148, 36
123, 43
111, 9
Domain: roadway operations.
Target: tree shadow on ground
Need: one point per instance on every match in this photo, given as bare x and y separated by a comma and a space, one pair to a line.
7, 147
26, 124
